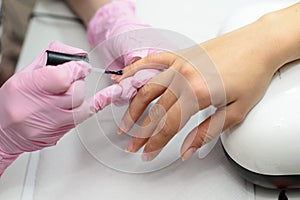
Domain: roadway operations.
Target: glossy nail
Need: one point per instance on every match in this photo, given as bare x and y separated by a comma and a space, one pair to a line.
122, 128
113, 77
186, 155
119, 131
146, 157
130, 147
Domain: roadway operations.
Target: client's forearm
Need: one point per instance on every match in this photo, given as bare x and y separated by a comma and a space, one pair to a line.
286, 22
269, 43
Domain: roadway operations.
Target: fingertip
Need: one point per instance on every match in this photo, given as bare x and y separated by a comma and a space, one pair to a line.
126, 123
121, 130
130, 148
86, 67
188, 141
79, 69
104, 97
188, 153
148, 156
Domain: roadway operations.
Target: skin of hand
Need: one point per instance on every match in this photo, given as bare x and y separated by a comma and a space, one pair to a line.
230, 72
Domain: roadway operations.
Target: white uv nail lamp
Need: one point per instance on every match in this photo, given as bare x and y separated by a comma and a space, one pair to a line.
265, 147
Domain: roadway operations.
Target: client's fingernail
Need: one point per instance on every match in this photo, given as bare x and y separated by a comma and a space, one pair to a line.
146, 157
122, 128
113, 77
119, 131
149, 156
186, 155
129, 147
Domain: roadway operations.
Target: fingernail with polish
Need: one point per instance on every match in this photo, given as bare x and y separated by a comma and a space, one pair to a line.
129, 147
117, 78
113, 77
122, 128
119, 131
146, 157
186, 155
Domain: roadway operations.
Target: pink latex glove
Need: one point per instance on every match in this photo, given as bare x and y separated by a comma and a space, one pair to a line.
41, 103
109, 22
114, 19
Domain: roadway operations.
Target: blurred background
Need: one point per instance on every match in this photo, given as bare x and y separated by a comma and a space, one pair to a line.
14, 18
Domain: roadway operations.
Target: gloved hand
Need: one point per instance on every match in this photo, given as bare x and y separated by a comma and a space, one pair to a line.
41, 103
115, 23
113, 19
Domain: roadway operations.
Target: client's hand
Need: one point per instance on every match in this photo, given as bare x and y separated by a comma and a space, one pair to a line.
231, 73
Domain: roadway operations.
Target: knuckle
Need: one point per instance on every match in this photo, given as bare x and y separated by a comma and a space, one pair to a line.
165, 133
195, 86
202, 134
152, 145
199, 91
198, 94
152, 56
199, 88
164, 130
158, 141
144, 93
157, 112
130, 67
186, 69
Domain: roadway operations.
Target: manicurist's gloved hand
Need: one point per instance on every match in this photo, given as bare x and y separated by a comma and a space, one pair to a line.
115, 18
41, 103
108, 23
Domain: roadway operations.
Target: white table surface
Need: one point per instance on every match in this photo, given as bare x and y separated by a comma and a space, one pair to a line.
206, 16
